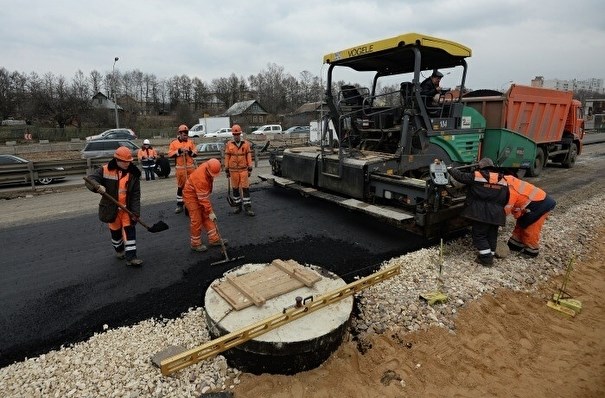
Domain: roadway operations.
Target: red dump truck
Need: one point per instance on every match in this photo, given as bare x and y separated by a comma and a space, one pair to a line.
551, 119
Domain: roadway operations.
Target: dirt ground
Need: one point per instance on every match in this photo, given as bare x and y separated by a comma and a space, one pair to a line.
507, 345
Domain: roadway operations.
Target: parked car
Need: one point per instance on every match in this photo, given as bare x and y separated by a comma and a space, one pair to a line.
268, 129
16, 160
106, 148
225, 132
211, 147
197, 130
298, 130
114, 134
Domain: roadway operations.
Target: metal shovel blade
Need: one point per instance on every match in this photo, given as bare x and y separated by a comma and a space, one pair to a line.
158, 227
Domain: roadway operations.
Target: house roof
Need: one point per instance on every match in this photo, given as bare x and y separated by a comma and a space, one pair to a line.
103, 102
309, 107
250, 106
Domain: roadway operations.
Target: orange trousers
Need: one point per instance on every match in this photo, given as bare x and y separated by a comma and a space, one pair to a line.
530, 236
198, 220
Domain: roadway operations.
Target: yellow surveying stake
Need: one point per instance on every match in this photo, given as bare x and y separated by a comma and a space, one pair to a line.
562, 301
436, 296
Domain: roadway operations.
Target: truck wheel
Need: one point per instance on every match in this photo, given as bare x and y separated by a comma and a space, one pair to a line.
570, 159
538, 165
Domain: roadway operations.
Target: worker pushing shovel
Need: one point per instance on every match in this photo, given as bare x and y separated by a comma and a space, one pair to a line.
119, 183
196, 196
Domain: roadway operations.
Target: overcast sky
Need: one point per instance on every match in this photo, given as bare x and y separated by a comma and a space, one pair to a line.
510, 39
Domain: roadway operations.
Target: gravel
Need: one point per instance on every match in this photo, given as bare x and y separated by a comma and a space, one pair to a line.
116, 362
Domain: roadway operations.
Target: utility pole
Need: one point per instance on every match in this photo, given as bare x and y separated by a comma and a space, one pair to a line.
115, 101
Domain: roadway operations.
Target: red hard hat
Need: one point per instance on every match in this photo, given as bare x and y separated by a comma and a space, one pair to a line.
236, 129
123, 154
214, 167
183, 128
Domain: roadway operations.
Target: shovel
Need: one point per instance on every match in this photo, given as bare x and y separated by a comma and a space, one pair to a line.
230, 199
157, 227
224, 249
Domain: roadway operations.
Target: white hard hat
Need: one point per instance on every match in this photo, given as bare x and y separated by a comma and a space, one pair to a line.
146, 142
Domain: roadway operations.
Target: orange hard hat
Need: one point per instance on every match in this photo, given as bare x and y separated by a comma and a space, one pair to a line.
236, 129
214, 167
123, 154
183, 128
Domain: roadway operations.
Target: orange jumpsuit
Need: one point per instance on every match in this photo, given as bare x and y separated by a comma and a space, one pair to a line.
238, 160
184, 164
147, 156
196, 195
530, 206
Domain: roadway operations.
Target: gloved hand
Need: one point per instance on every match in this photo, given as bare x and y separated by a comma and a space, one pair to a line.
249, 171
190, 152
227, 173
212, 216
134, 219
180, 151
100, 189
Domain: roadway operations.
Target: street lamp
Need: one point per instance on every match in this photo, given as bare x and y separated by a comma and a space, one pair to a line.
504, 84
115, 101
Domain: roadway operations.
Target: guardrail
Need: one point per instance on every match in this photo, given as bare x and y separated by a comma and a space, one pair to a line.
28, 173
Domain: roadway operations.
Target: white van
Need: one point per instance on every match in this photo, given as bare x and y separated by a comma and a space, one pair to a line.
268, 129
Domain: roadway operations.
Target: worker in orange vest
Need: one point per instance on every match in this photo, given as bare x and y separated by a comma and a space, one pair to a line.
196, 195
530, 205
120, 179
238, 167
487, 194
147, 156
183, 151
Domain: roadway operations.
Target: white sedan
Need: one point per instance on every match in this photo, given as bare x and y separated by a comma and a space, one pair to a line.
225, 132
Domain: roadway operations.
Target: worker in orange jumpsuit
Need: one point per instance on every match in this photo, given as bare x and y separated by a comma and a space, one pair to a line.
530, 205
147, 156
121, 180
238, 167
196, 195
183, 151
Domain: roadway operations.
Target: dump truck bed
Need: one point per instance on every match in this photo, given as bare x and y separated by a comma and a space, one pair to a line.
539, 114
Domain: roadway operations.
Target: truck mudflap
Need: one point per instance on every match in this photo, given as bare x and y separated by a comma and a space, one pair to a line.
394, 216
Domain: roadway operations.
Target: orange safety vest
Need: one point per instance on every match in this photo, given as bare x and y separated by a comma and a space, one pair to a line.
493, 179
522, 193
182, 161
238, 158
122, 177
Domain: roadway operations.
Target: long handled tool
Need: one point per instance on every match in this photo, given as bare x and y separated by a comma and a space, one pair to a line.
157, 227
224, 249
230, 199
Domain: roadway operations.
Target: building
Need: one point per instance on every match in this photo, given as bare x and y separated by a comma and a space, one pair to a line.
592, 84
248, 114
305, 114
101, 101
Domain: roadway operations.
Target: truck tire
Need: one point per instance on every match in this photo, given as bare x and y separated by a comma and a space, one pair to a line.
538, 165
570, 159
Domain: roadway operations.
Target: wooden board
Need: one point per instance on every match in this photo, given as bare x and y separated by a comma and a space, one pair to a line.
256, 287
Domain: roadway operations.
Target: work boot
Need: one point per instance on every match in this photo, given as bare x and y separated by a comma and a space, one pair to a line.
200, 248
134, 262
218, 243
529, 252
179, 209
237, 210
487, 260
515, 245
249, 211
120, 255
